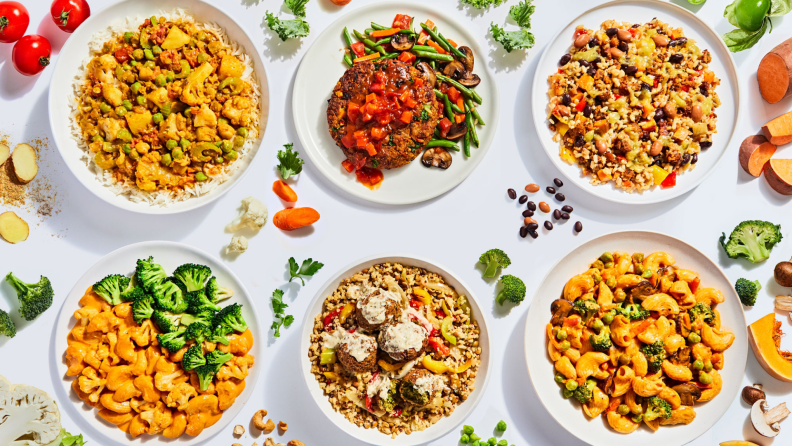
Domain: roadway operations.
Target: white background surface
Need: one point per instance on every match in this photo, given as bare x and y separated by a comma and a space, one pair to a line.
454, 229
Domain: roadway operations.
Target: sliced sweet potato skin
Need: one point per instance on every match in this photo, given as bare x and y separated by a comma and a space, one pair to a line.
755, 151
779, 130
778, 173
775, 73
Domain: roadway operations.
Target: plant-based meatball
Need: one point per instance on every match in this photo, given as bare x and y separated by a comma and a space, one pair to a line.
382, 113
377, 309
358, 352
419, 386
403, 341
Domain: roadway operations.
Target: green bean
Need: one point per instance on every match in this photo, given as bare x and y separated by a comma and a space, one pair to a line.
390, 56
369, 43
347, 37
437, 133
442, 143
466, 91
368, 31
424, 48
439, 94
433, 64
472, 129
452, 48
466, 144
348, 60
128, 36
378, 27
447, 109
382, 41
475, 112
435, 37
433, 56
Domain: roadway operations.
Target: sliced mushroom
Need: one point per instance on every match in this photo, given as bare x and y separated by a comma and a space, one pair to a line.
683, 324
560, 309
643, 289
688, 393
457, 131
402, 42
767, 421
681, 357
429, 74
469, 79
454, 69
436, 157
468, 61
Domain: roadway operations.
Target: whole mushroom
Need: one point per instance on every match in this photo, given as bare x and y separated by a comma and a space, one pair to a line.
752, 394
436, 157
767, 421
783, 273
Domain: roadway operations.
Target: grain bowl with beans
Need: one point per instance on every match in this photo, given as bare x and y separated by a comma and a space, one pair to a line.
633, 104
395, 348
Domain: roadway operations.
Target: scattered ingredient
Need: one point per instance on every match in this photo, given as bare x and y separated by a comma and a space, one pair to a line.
5, 153
752, 239
14, 20
783, 273
533, 187
254, 216
544, 207
778, 173
513, 290
755, 152
340, 2
31, 54
7, 326
469, 436
282, 427
29, 415
290, 29
482, 4
752, 394
69, 439
516, 40
578, 226
307, 269
752, 19
765, 337
738, 443
501, 426
25, 165
258, 419
289, 161
12, 228
784, 303
284, 191
493, 260
69, 14
767, 421
239, 430
747, 291
34, 298
239, 244
775, 73
779, 130
281, 318
294, 218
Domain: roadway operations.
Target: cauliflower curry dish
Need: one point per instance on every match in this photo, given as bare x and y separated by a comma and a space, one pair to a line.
167, 105
156, 354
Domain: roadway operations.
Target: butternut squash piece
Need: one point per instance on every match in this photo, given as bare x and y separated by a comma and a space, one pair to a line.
765, 338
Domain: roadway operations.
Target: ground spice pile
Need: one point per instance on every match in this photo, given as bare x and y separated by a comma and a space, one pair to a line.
38, 196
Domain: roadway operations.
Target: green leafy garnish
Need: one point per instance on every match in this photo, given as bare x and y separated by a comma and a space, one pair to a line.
289, 161
521, 13
424, 116
307, 269
512, 40
288, 29
738, 39
71, 440
752, 20
483, 4
281, 318
297, 7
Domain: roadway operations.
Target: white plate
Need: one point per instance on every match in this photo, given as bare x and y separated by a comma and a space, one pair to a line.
322, 67
642, 11
123, 261
568, 414
76, 50
373, 436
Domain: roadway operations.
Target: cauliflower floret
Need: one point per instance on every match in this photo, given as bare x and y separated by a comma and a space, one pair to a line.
168, 381
238, 244
180, 395
158, 418
237, 367
102, 68
91, 383
27, 412
254, 216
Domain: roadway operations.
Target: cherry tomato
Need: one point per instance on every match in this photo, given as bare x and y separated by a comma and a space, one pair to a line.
69, 14
14, 20
31, 54
340, 2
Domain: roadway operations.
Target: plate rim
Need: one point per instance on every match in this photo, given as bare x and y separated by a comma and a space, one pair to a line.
121, 202
64, 321
360, 193
527, 330
624, 198
306, 330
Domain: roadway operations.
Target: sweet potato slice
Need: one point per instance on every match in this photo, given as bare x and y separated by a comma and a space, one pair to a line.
775, 73
12, 228
778, 173
779, 130
5, 152
25, 166
755, 151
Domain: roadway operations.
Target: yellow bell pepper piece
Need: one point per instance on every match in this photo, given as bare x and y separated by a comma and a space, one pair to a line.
423, 295
332, 375
659, 174
345, 312
561, 128
567, 156
439, 368
390, 367
445, 327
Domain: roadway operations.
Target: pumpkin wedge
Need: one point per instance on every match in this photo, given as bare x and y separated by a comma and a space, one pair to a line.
765, 337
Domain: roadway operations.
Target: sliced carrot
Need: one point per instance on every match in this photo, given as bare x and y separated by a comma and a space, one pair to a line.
452, 42
436, 46
384, 32
459, 118
429, 24
369, 57
295, 218
422, 38
283, 191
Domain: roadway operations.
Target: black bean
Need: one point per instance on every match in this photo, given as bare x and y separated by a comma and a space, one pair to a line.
558, 182
523, 232
631, 70
592, 71
523, 199
598, 101
567, 208
550, 189
565, 59
659, 114
705, 144
565, 99
645, 86
686, 159
564, 216
527, 213
679, 41
593, 42
533, 234
578, 226
560, 197
624, 47
637, 25
531, 206
580, 141
512, 193
610, 32
645, 136
532, 226
596, 61
548, 225
584, 63
704, 88
557, 214
694, 158
676, 58
587, 111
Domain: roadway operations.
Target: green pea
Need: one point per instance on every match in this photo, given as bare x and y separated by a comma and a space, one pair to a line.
141, 100
597, 279
177, 154
598, 325
566, 394
202, 57
694, 338
219, 160
705, 378
104, 107
169, 76
698, 364
606, 257
171, 144
128, 36
218, 144
226, 146
638, 418
559, 378
138, 54
222, 121
571, 384
127, 105
156, 50
183, 143
611, 282
707, 366
157, 118
608, 264
468, 429
124, 135
622, 409
492, 441
465, 439
561, 334
133, 63
148, 54
238, 141
619, 295
167, 160
159, 80
120, 110
565, 345
154, 20
624, 359
607, 318
647, 274
150, 64
474, 437
134, 89
243, 132
126, 148
501, 426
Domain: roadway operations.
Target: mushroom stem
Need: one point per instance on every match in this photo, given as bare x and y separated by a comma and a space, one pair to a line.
777, 414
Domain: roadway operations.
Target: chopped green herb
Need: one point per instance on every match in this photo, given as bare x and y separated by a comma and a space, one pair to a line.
307, 269
278, 307
288, 29
289, 161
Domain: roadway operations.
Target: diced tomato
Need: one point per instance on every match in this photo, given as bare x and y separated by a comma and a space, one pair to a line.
123, 54
367, 117
360, 143
406, 117
445, 124
578, 32
418, 82
684, 88
385, 119
352, 330
360, 134
439, 347
656, 81
371, 149
580, 105
378, 132
453, 94
377, 87
616, 96
353, 111
417, 304
369, 177
407, 57
440, 313
633, 31
348, 141
371, 97
359, 49
402, 21
347, 165
381, 77
670, 181
410, 103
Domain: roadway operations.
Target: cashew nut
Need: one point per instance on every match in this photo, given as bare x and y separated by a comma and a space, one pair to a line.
239, 430
269, 427
282, 427
295, 443
258, 419
270, 442
236, 444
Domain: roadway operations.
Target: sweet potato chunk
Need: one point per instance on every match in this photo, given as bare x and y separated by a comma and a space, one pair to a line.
775, 73
779, 130
755, 151
778, 173
12, 228
5, 152
25, 166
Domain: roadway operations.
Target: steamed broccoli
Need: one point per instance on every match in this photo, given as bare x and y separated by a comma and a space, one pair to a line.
166, 321
198, 332
702, 311
601, 342
197, 302
193, 358
752, 239
148, 274
143, 308
231, 317
220, 335
7, 327
632, 311
216, 359
655, 354
585, 392
34, 298
193, 276
492, 260
657, 408
204, 317
586, 308
217, 293
747, 290
169, 296
132, 292
205, 375
173, 341
111, 287
513, 290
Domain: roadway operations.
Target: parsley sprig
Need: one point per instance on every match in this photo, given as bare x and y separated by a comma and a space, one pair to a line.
278, 307
307, 269
483, 4
289, 161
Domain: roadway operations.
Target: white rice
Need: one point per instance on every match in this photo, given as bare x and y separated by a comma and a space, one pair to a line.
129, 189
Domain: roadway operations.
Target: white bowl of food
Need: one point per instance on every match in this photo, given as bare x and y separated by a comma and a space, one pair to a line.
154, 117
409, 373
704, 347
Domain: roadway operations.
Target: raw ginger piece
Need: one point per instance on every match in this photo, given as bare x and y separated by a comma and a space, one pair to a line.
5, 152
24, 159
779, 130
755, 152
12, 228
775, 73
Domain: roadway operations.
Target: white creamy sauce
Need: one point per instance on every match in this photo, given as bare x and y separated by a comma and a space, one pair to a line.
402, 337
358, 346
376, 308
381, 386
429, 384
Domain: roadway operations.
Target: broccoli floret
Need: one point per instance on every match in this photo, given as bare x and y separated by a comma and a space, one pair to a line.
132, 292
586, 308
110, 288
632, 311
198, 331
169, 296
217, 293
197, 302
601, 342
513, 290
752, 239
220, 335
143, 308
216, 359
492, 260
34, 298
7, 327
173, 341
231, 317
655, 354
193, 276
204, 317
193, 358
585, 392
657, 408
166, 321
702, 311
747, 290
205, 375
148, 274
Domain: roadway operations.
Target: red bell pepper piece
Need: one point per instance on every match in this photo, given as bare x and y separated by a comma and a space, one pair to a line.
329, 318
453, 94
439, 347
695, 284
407, 57
670, 181
417, 304
396, 412
580, 105
445, 124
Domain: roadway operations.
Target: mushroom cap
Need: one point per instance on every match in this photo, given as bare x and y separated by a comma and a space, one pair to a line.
783, 274
688, 393
752, 394
457, 130
560, 309
454, 69
429, 73
759, 422
468, 60
402, 42
469, 79
436, 157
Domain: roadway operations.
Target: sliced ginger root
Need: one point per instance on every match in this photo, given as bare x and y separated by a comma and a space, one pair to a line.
12, 228
5, 152
24, 159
